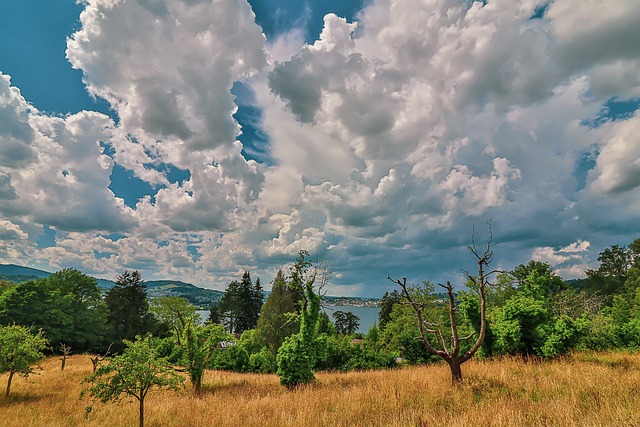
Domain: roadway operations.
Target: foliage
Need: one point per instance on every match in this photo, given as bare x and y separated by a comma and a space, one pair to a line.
518, 326
235, 358
275, 323
128, 308
262, 362
386, 306
175, 313
296, 357
201, 344
333, 352
340, 352
19, 351
134, 373
67, 305
346, 323
240, 306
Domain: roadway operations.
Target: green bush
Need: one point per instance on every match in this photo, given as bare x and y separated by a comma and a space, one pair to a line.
234, 358
262, 362
295, 361
333, 352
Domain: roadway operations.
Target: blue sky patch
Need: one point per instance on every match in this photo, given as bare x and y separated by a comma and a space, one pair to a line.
114, 236
613, 110
32, 52
279, 16
47, 239
254, 140
125, 184
539, 11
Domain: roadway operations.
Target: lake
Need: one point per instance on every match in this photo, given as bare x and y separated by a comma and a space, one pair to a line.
368, 315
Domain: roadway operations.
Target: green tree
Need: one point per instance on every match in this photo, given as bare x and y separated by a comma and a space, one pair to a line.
296, 357
386, 305
4, 285
80, 299
128, 308
250, 302
134, 373
200, 344
609, 278
175, 313
275, 323
241, 303
67, 305
231, 307
19, 351
346, 323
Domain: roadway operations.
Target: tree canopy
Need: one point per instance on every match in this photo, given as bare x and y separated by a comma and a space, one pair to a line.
19, 351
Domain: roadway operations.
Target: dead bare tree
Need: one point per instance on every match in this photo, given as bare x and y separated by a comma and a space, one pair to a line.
451, 353
96, 359
66, 351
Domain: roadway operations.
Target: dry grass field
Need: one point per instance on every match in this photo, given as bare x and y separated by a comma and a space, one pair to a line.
580, 390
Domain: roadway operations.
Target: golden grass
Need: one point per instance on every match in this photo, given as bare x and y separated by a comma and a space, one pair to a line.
580, 390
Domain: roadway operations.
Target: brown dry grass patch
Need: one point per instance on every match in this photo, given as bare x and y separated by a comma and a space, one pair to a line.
580, 390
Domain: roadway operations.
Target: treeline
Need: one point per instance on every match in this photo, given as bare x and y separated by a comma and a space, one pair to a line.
530, 311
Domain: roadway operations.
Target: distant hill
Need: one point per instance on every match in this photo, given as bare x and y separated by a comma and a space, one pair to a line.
16, 274
200, 297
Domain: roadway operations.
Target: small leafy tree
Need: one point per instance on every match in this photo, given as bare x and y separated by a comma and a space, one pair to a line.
19, 351
200, 344
134, 373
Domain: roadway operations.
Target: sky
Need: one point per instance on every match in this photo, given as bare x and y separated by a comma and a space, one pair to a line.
197, 139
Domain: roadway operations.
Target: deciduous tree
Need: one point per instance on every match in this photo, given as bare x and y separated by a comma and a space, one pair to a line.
134, 373
175, 313
19, 351
451, 353
200, 344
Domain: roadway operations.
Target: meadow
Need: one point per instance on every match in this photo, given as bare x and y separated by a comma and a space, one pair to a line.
583, 389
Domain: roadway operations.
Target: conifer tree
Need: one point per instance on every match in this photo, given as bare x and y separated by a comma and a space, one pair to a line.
275, 322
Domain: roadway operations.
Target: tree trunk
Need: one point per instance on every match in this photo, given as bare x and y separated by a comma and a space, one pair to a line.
64, 362
6, 394
198, 385
456, 371
142, 412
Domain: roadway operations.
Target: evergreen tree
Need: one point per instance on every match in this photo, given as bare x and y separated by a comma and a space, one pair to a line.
128, 308
275, 322
230, 306
241, 303
386, 306
346, 323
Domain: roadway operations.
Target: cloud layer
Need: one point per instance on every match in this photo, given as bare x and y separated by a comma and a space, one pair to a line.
390, 137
